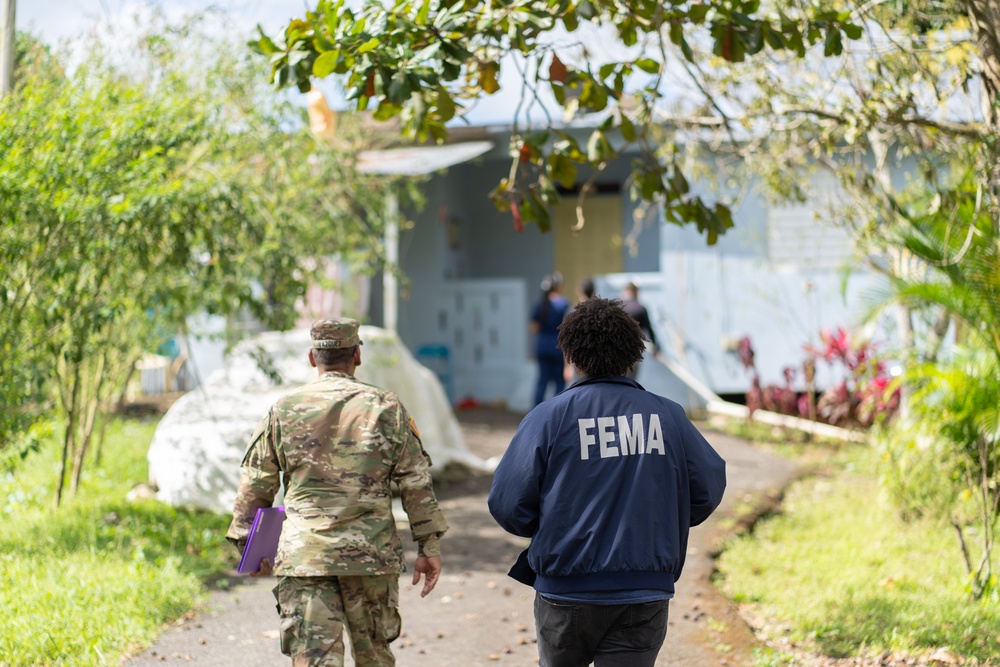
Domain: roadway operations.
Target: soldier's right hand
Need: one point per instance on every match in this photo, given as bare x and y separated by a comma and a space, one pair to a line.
265, 569
430, 566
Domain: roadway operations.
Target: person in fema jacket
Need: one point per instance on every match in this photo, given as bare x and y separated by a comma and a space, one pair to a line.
606, 479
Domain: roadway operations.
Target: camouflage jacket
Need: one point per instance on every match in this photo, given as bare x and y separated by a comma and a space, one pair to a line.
340, 443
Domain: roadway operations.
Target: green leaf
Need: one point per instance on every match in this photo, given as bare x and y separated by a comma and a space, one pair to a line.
562, 169
303, 83
627, 128
629, 34
598, 147
559, 92
648, 65
772, 37
686, 50
399, 88
834, 45
370, 45
540, 214
650, 186
697, 13
325, 63
425, 10
548, 192
445, 104
488, 74
296, 29
678, 182
676, 32
852, 30
537, 139
427, 52
265, 44
570, 21
437, 130
386, 110
795, 42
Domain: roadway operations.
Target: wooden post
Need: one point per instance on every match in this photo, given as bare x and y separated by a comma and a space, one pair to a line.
390, 288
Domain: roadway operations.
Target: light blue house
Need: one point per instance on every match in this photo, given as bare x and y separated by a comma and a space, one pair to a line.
778, 277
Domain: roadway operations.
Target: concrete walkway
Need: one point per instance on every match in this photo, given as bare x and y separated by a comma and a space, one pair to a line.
476, 615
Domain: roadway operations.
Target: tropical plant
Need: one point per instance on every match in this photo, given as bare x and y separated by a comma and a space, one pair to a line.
863, 396
953, 421
944, 458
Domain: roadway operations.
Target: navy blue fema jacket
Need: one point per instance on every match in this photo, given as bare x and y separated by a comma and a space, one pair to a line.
606, 478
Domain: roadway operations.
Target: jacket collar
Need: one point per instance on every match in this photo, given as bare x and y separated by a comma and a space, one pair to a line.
335, 374
607, 379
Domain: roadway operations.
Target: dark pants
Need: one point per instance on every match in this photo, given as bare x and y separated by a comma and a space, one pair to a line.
573, 634
550, 369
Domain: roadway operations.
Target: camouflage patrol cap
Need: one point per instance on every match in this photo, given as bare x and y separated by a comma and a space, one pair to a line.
335, 334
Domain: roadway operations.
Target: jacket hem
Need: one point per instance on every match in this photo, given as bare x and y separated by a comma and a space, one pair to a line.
606, 581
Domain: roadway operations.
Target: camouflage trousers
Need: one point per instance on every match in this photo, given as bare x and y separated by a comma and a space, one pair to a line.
315, 610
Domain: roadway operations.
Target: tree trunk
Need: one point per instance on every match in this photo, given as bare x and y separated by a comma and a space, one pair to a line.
985, 18
68, 438
984, 15
93, 404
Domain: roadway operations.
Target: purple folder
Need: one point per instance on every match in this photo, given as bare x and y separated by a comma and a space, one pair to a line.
263, 539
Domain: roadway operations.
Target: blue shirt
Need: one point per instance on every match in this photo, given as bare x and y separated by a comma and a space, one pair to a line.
547, 340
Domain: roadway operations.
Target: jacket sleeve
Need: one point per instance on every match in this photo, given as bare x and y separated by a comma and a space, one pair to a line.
413, 474
706, 472
260, 479
515, 497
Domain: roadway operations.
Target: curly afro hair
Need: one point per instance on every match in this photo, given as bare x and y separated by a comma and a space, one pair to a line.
600, 338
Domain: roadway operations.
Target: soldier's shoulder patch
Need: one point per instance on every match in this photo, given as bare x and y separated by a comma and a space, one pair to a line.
413, 427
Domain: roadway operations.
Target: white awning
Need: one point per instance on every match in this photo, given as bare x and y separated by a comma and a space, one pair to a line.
420, 160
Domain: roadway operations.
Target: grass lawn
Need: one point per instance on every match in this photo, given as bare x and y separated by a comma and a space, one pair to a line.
82, 584
840, 574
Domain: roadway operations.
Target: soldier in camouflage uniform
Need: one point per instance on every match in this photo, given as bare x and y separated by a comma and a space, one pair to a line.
340, 443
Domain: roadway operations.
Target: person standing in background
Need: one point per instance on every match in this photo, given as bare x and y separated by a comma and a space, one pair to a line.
546, 317
631, 305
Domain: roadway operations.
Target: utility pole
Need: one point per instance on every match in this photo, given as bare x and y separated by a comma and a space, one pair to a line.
7, 33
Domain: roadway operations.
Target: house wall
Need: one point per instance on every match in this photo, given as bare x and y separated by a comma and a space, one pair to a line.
781, 292
711, 301
460, 257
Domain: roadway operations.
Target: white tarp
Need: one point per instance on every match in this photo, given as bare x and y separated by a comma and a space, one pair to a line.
198, 446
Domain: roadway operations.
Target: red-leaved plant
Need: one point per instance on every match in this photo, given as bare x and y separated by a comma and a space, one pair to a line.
859, 399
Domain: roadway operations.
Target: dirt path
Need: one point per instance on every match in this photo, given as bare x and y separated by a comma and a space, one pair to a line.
476, 615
